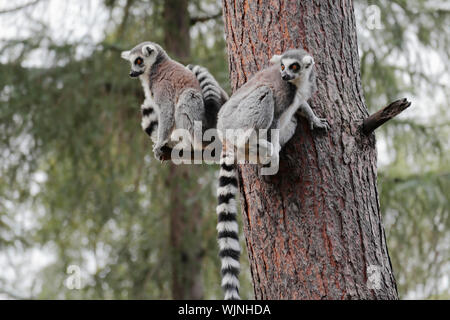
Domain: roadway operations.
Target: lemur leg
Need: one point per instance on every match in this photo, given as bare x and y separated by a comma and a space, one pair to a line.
189, 110
314, 121
287, 131
288, 123
254, 112
269, 150
165, 126
149, 121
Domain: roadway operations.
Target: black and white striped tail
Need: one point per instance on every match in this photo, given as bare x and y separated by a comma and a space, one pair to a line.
227, 227
210, 87
149, 122
213, 94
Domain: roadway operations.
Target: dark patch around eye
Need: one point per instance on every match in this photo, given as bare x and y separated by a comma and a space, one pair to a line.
138, 61
294, 67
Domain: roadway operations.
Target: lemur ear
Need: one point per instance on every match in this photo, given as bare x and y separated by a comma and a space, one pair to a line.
147, 50
308, 61
125, 55
275, 59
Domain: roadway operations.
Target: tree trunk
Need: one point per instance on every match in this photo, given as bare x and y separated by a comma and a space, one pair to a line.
177, 23
184, 228
313, 230
185, 233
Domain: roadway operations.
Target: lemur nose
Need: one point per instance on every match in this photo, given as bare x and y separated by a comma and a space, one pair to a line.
135, 74
284, 77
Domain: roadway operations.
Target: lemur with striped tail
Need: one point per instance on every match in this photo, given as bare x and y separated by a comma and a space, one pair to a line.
269, 100
175, 96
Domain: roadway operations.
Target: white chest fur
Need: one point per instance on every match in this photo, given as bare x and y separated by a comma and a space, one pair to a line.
302, 94
148, 102
303, 86
289, 112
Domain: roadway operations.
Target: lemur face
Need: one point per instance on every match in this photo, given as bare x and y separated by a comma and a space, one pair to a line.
292, 68
141, 58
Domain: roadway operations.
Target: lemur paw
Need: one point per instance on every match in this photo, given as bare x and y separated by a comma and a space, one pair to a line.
320, 123
158, 152
270, 168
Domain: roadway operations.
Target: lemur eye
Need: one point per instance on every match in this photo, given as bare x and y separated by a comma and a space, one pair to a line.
138, 61
282, 66
295, 67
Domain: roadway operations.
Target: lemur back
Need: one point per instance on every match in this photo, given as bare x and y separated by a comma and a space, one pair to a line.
283, 95
213, 98
173, 77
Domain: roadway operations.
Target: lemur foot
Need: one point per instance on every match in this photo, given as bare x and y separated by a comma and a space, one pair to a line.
158, 152
320, 123
266, 151
267, 170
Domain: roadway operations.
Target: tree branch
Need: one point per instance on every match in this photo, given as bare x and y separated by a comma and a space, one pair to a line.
194, 20
385, 114
32, 3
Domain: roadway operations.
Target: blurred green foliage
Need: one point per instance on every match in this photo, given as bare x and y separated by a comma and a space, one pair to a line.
409, 57
79, 185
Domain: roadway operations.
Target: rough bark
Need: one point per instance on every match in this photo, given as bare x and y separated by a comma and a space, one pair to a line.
177, 23
185, 235
314, 229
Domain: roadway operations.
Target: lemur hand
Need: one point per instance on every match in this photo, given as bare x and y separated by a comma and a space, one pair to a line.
320, 123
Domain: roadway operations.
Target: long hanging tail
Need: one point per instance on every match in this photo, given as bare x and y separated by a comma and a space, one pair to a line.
149, 122
227, 226
213, 94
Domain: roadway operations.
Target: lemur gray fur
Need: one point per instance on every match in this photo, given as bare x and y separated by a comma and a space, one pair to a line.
269, 100
175, 96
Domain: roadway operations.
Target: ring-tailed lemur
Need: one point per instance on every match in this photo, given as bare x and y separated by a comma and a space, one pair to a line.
213, 98
175, 96
267, 101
